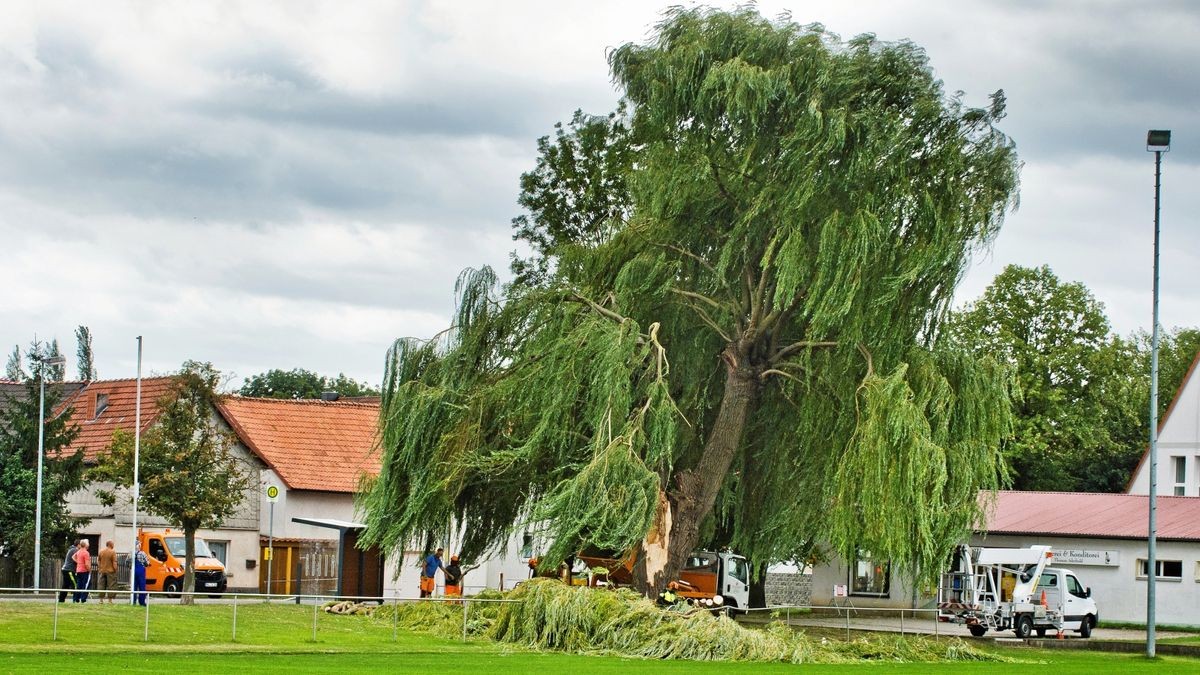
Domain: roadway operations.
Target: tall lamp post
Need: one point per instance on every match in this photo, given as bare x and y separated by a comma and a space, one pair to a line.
1158, 141
37, 527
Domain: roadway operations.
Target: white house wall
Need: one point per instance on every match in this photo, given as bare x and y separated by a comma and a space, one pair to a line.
1180, 437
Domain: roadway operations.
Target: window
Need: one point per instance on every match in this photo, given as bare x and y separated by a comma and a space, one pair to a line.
738, 570
526, 545
101, 404
869, 576
1048, 580
218, 549
1165, 570
1180, 465
1075, 588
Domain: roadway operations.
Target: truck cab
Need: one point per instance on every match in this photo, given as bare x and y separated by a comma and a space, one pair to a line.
167, 552
1070, 598
711, 574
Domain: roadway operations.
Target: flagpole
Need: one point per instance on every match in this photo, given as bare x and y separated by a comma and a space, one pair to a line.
137, 447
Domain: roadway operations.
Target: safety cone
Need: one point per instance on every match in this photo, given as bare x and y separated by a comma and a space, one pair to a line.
1060, 635
1044, 600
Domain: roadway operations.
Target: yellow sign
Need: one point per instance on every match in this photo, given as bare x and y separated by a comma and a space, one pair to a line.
267, 553
272, 492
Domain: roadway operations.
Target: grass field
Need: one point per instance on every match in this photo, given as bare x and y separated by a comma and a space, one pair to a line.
277, 638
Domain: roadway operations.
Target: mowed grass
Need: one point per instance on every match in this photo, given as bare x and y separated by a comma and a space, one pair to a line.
278, 638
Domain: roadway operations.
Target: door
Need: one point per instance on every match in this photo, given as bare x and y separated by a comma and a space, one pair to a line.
1051, 585
1077, 603
736, 584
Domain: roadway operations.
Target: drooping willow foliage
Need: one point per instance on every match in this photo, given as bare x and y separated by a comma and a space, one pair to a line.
754, 344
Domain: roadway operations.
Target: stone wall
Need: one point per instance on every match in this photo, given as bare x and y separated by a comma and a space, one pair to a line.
789, 588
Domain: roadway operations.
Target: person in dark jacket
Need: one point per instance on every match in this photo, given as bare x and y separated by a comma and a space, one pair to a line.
68, 572
454, 576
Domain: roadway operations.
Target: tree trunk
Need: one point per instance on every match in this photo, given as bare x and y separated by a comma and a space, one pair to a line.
189, 566
695, 492
758, 585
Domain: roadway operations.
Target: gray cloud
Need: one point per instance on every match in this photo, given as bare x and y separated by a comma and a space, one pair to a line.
282, 185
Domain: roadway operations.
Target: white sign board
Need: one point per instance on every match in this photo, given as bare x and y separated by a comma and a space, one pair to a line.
840, 591
272, 493
1083, 557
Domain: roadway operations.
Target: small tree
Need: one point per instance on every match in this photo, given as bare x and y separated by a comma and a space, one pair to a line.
61, 474
14, 369
83, 352
189, 474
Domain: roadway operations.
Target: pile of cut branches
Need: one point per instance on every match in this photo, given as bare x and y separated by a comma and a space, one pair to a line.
554, 616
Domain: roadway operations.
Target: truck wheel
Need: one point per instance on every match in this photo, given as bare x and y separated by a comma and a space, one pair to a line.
172, 587
1085, 626
977, 629
1024, 627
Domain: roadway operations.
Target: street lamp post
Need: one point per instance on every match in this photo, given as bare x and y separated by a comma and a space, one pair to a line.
37, 527
1158, 141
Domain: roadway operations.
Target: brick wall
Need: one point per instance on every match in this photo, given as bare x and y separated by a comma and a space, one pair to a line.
784, 588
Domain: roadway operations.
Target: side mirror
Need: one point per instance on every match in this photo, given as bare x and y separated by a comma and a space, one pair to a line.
1088, 593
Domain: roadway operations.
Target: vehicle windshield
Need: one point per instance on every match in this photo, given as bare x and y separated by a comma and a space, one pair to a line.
178, 547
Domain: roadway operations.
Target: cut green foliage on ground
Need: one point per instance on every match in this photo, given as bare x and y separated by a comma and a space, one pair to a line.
553, 616
278, 638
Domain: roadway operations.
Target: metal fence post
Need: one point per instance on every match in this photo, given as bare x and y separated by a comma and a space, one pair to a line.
395, 616
901, 623
314, 633
847, 624
234, 618
466, 610
789, 615
146, 625
54, 638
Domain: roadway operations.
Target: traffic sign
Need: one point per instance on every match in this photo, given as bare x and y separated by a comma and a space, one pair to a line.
272, 493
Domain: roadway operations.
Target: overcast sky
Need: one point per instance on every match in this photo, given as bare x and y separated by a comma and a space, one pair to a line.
296, 184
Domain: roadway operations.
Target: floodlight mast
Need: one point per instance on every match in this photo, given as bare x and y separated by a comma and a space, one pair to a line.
1158, 141
37, 527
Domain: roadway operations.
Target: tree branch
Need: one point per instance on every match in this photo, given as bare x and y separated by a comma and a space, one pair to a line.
699, 296
788, 350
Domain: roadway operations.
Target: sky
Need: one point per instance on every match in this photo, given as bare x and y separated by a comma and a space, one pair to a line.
297, 184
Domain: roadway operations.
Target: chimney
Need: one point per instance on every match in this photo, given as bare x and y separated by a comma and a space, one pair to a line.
330, 396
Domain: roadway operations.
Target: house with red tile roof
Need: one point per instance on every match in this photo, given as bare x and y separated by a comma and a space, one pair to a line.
314, 452
100, 408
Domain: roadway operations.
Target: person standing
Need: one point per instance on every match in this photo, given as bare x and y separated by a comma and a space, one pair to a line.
454, 578
68, 572
108, 572
140, 562
429, 569
83, 571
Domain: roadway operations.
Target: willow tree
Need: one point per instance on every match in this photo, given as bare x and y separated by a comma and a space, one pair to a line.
754, 339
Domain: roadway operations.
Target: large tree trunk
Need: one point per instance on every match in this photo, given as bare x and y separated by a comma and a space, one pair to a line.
682, 511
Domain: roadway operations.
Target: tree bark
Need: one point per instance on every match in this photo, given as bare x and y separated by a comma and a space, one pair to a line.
695, 490
189, 566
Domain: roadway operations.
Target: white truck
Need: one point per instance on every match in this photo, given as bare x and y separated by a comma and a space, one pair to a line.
1014, 589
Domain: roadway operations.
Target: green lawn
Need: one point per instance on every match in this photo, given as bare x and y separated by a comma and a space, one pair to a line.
278, 638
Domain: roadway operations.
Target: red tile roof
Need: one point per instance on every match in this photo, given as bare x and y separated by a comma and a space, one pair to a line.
311, 444
1078, 514
96, 431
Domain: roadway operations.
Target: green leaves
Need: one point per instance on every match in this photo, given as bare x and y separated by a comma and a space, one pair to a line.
768, 204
